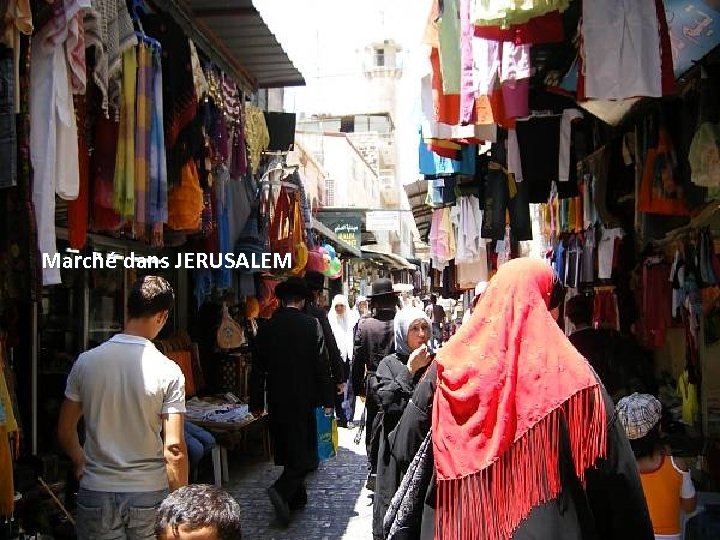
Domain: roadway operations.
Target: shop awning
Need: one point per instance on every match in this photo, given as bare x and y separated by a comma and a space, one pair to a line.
416, 194
343, 246
396, 262
245, 36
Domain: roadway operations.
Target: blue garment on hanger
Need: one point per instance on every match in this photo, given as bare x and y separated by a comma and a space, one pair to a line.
433, 164
560, 261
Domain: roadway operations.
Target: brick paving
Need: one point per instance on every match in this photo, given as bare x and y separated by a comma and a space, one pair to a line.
339, 506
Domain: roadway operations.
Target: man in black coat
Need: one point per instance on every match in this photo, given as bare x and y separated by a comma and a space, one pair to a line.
316, 283
374, 340
291, 363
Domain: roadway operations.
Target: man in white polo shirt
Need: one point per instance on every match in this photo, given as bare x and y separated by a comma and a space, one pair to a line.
132, 398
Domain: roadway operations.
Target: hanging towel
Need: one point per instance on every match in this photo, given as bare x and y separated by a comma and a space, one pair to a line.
158, 187
124, 185
143, 120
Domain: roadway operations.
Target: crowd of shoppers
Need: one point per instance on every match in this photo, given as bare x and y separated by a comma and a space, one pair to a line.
507, 431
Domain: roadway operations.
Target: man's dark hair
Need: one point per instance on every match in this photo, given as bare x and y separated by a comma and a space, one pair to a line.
385, 301
148, 296
646, 446
197, 506
433, 299
579, 309
294, 299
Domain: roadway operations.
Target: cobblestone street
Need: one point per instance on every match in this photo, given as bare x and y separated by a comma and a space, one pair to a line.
339, 506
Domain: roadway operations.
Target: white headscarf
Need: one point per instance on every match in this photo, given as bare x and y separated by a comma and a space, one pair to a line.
342, 326
403, 321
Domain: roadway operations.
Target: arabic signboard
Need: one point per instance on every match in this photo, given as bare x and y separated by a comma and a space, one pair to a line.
381, 221
694, 30
346, 227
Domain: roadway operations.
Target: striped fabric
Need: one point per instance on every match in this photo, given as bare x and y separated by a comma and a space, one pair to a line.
124, 184
143, 109
157, 210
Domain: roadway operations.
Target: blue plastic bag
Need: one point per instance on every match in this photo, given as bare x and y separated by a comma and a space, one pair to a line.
327, 434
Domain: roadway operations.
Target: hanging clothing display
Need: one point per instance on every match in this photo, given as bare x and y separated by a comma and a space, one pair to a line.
688, 395
109, 32
124, 185
53, 130
622, 49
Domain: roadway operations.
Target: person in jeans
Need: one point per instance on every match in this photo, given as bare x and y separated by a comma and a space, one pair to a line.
199, 443
132, 400
199, 512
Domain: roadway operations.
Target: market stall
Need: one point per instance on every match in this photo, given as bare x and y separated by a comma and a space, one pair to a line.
133, 148
541, 136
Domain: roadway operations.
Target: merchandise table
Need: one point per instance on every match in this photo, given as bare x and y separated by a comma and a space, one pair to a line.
233, 435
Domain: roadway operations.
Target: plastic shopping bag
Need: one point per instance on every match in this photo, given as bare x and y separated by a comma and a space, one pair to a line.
327, 434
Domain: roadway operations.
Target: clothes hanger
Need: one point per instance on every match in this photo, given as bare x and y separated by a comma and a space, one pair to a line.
139, 5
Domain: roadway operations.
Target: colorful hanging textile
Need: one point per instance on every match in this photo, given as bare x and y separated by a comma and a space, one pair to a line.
124, 184
157, 209
504, 13
143, 121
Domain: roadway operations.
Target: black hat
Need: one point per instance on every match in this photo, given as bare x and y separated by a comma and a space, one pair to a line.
382, 287
292, 286
315, 280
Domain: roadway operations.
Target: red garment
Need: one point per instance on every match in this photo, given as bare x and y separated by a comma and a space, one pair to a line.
447, 106
547, 28
184, 360
656, 305
505, 381
78, 209
666, 60
104, 216
605, 310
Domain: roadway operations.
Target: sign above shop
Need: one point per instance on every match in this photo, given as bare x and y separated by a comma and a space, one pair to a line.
347, 228
381, 221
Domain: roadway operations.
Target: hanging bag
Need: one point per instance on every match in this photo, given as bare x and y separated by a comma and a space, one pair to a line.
660, 193
704, 155
327, 434
281, 226
300, 255
230, 335
185, 201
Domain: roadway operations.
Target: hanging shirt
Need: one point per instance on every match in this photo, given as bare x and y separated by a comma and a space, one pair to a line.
621, 49
587, 274
539, 142
432, 164
688, 394
572, 268
606, 251
448, 25
467, 219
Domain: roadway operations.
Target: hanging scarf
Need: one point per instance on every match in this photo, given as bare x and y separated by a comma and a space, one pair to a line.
506, 381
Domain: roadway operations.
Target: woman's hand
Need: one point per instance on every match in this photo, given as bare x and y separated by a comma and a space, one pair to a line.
419, 358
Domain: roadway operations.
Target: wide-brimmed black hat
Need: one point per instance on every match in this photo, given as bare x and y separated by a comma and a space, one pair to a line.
382, 287
292, 286
315, 280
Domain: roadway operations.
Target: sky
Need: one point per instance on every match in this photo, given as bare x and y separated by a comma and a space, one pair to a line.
322, 37
325, 40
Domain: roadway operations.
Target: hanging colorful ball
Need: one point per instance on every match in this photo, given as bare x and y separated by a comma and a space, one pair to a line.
331, 251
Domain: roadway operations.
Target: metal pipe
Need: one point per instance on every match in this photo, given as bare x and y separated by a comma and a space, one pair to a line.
34, 376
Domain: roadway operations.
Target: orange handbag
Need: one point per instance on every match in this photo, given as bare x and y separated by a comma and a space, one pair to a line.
659, 191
